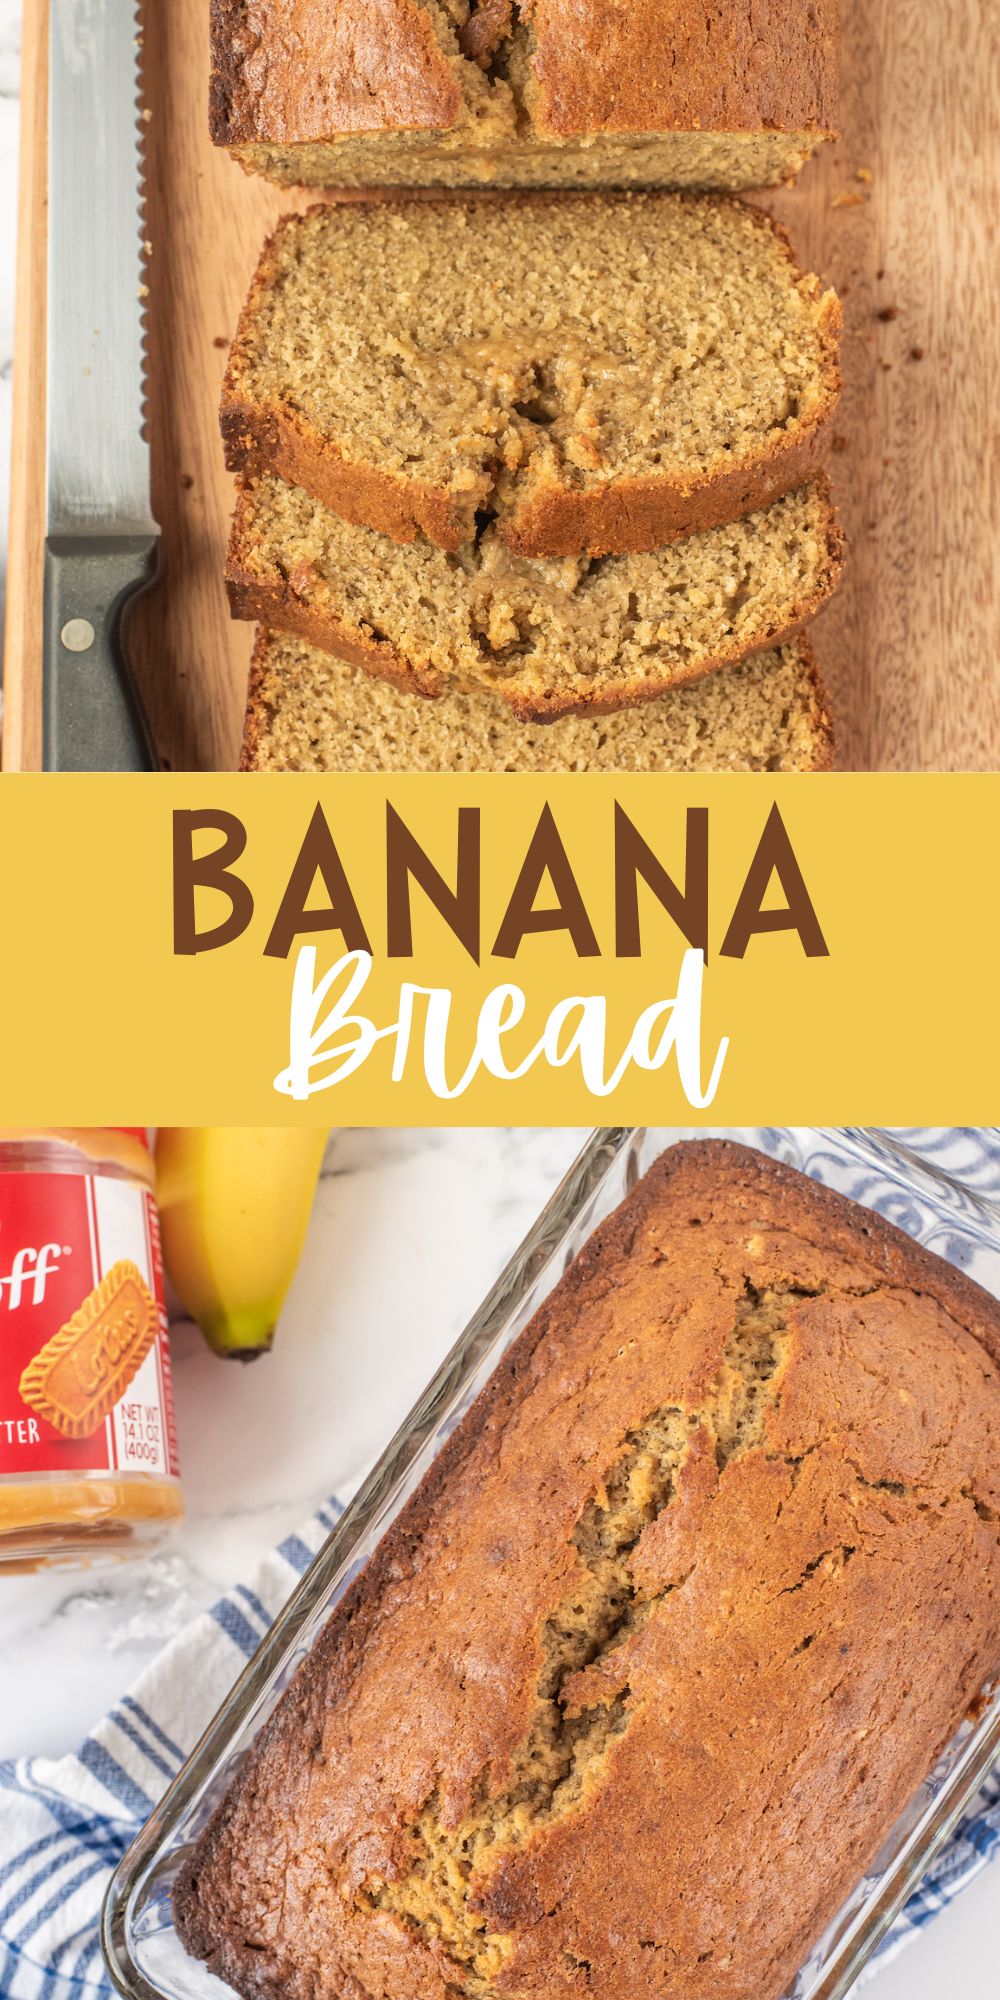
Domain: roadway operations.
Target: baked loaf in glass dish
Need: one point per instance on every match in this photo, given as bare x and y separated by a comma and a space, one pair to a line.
523, 93
600, 374
636, 1684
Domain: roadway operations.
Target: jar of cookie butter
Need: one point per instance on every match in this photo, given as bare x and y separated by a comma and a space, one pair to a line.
88, 1455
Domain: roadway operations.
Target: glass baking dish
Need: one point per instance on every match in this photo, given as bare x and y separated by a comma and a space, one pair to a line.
879, 1169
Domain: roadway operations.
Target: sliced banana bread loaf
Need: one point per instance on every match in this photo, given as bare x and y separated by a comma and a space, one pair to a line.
524, 93
307, 711
603, 373
548, 636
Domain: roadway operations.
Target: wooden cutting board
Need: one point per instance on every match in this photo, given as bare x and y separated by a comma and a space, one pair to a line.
902, 216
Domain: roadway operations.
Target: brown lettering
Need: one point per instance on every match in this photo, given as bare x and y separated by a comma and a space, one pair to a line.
317, 856
774, 856
546, 856
634, 858
208, 871
406, 859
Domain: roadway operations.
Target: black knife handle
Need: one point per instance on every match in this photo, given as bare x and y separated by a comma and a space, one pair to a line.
92, 718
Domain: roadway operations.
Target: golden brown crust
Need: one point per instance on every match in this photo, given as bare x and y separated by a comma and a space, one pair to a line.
287, 606
483, 33
632, 694
288, 70
822, 1602
622, 516
679, 65
823, 718
286, 611
259, 440
289, 610
637, 516
257, 713
285, 72
627, 516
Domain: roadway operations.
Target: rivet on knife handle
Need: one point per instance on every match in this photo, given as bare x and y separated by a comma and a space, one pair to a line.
92, 720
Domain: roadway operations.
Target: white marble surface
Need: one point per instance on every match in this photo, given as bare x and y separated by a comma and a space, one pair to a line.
409, 1232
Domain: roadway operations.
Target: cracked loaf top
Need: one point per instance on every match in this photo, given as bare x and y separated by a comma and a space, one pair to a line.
500, 71
633, 1689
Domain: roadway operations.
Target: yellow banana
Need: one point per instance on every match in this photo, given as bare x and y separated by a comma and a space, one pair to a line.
235, 1203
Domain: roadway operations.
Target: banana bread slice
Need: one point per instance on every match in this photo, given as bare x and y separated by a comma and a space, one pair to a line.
307, 711
548, 636
523, 93
633, 1689
602, 373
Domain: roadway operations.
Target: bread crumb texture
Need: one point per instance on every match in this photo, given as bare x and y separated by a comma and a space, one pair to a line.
599, 373
307, 711
694, 1595
548, 637
523, 92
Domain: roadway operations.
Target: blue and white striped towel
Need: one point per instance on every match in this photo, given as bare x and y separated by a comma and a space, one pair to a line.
64, 1824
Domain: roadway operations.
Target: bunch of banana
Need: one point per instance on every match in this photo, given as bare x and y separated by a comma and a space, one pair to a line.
235, 1203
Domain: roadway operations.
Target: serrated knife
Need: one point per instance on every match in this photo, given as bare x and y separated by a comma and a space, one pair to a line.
101, 538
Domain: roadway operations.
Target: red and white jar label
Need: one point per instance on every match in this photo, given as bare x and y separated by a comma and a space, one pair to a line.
84, 1359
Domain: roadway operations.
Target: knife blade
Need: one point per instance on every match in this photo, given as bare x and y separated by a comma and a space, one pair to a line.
101, 537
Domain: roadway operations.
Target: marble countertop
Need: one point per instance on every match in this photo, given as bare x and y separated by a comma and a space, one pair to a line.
409, 1231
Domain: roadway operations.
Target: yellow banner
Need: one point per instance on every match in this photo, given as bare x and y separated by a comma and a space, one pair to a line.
500, 950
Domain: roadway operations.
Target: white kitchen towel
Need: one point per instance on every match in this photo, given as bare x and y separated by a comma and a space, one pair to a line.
65, 1823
